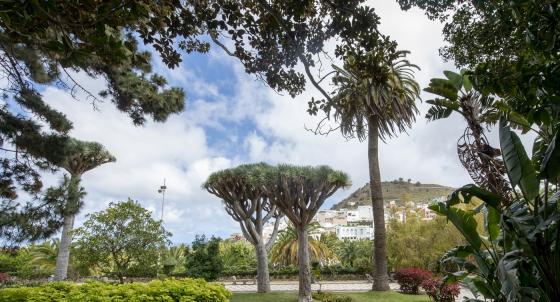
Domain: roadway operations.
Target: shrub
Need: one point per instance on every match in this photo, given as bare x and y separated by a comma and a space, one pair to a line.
192, 290
410, 279
4, 277
439, 292
330, 297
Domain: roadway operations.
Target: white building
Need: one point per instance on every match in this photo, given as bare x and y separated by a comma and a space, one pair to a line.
357, 232
365, 213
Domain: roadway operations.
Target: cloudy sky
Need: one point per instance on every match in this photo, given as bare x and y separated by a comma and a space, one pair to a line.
232, 118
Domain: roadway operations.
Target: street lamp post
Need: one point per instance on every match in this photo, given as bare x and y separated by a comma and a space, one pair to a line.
161, 190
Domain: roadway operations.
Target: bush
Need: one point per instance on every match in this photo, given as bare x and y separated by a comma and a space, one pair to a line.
330, 297
192, 290
439, 292
410, 279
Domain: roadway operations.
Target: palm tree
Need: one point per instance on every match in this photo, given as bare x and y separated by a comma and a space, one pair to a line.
375, 99
174, 259
285, 250
43, 256
80, 158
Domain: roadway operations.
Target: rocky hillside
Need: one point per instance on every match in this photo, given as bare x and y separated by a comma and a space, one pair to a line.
398, 190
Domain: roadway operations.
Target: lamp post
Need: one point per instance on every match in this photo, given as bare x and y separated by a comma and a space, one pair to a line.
161, 190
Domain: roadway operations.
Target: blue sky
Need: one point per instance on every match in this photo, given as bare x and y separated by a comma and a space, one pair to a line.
232, 118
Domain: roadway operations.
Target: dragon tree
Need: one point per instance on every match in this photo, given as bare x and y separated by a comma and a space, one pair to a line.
80, 157
245, 200
299, 192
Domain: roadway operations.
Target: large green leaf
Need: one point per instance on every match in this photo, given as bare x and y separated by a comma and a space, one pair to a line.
518, 165
493, 217
444, 88
436, 113
469, 191
466, 224
455, 79
550, 165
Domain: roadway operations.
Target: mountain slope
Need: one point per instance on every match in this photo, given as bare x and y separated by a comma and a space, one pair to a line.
395, 190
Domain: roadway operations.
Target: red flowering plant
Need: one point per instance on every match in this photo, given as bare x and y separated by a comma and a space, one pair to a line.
4, 277
410, 279
440, 292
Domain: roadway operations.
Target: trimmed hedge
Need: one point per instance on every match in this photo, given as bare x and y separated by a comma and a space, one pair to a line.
185, 290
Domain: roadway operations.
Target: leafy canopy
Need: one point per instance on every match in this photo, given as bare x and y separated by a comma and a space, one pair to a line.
123, 240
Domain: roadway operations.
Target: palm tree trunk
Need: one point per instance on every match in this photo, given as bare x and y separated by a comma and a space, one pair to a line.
63, 257
304, 265
381, 278
263, 278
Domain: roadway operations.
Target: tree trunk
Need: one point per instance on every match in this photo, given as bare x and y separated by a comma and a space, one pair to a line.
304, 265
263, 278
63, 257
380, 276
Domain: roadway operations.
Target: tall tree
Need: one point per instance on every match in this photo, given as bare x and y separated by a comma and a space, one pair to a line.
81, 157
374, 99
299, 192
123, 240
246, 201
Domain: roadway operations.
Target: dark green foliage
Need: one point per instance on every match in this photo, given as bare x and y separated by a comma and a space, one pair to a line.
167, 290
122, 241
511, 46
40, 217
203, 258
271, 37
355, 254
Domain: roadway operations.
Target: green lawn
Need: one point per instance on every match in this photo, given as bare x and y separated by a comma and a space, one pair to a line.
358, 297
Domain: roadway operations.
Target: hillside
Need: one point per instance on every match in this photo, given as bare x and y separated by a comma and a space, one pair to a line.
395, 190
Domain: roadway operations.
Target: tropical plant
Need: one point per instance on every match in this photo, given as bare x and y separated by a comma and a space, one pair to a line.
122, 240
356, 254
456, 94
515, 256
285, 250
174, 259
299, 192
44, 255
374, 99
246, 201
237, 256
80, 158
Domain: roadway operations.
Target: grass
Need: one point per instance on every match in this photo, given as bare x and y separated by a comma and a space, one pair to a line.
389, 296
